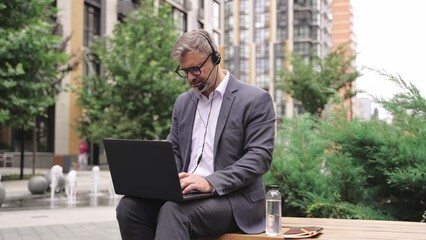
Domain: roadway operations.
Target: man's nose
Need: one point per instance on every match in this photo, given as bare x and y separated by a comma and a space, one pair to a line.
191, 77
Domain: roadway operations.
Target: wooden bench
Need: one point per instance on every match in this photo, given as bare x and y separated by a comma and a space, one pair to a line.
339, 229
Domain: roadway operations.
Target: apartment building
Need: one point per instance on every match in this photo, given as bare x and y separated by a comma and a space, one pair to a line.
260, 34
343, 35
255, 38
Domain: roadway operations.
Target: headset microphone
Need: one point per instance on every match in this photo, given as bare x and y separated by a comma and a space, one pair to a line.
202, 85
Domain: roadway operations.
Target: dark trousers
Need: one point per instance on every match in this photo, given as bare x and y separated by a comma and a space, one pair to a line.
145, 219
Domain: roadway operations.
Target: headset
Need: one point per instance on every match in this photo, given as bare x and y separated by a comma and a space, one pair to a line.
215, 54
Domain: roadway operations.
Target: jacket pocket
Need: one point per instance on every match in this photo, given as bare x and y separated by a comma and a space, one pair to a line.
257, 195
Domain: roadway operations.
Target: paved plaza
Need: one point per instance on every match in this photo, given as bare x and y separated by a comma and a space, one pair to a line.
37, 217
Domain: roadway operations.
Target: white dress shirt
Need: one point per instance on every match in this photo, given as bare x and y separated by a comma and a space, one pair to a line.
203, 131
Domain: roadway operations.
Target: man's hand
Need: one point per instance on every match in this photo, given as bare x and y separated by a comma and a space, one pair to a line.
191, 182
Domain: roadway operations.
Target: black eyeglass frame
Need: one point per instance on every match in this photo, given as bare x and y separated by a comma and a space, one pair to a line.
195, 70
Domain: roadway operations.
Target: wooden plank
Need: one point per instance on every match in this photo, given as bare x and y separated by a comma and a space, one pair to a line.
337, 229
362, 229
235, 236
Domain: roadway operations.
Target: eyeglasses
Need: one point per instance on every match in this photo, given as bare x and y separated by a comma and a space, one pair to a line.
195, 71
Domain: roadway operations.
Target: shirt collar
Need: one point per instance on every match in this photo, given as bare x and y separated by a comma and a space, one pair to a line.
222, 86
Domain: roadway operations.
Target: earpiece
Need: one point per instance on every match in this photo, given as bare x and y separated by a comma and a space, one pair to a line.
215, 54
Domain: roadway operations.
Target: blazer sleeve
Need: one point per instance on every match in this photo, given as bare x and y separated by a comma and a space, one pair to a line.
174, 133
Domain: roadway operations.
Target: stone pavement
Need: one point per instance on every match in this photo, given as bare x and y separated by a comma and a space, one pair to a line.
27, 216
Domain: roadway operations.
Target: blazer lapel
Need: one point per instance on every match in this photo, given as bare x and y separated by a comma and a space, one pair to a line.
228, 99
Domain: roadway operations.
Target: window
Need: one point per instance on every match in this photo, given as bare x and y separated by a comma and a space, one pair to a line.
244, 7
262, 51
244, 36
262, 66
281, 34
244, 21
216, 37
244, 77
261, 35
282, 19
261, 20
244, 66
244, 51
180, 19
303, 48
315, 4
229, 23
279, 50
282, 5
301, 32
229, 52
92, 22
229, 58
261, 6
216, 14
315, 20
279, 65
229, 8
92, 28
300, 3
229, 36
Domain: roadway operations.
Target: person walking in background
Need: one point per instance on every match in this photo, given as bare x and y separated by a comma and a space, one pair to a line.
83, 155
222, 135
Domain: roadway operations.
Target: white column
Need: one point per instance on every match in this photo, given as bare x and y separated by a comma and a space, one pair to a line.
62, 106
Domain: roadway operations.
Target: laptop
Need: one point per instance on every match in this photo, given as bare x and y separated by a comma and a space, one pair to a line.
145, 169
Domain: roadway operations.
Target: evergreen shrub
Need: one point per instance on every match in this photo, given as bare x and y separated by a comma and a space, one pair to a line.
355, 169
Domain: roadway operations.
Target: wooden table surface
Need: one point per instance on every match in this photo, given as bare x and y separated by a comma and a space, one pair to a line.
342, 229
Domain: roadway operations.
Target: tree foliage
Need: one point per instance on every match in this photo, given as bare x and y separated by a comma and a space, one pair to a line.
355, 169
133, 95
317, 82
30, 56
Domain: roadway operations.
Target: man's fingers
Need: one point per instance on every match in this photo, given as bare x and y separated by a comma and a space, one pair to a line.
190, 182
187, 189
183, 175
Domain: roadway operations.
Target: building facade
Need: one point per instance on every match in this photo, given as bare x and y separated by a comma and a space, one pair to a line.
261, 34
343, 35
255, 37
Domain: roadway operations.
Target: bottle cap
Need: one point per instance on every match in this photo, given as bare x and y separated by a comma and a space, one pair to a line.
273, 187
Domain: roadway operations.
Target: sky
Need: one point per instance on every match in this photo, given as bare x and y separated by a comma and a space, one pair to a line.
391, 36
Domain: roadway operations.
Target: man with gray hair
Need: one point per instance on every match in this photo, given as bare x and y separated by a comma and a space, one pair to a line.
222, 135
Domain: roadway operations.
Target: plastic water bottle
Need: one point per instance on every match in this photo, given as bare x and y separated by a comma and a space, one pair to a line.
273, 211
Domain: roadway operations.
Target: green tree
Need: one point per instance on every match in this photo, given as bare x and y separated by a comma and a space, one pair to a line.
317, 82
298, 155
405, 171
30, 59
133, 96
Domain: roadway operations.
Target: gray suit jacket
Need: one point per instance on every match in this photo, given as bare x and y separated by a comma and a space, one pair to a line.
243, 146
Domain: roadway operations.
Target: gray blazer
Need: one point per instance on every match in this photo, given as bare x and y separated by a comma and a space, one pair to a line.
243, 146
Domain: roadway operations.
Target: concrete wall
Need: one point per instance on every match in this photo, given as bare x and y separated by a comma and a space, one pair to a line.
44, 160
